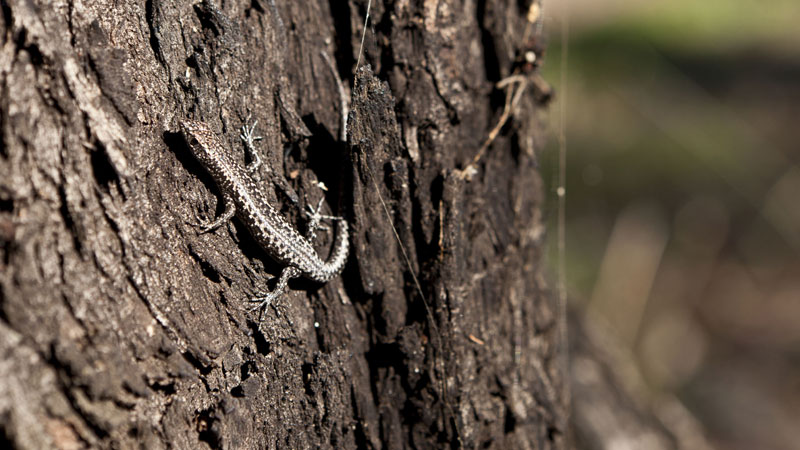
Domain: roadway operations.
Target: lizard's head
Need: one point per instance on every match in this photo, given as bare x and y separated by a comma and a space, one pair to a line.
201, 140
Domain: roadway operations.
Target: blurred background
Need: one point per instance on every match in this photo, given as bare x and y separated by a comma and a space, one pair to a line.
683, 199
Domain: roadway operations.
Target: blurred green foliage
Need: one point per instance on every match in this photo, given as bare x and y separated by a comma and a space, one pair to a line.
683, 225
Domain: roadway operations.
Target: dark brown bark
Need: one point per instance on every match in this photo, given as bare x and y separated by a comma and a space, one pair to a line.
122, 325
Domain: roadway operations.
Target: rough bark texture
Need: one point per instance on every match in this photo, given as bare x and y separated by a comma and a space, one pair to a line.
122, 325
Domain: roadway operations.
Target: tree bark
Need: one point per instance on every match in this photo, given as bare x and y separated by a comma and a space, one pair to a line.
122, 325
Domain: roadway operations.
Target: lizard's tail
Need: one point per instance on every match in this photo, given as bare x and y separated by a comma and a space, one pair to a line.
335, 263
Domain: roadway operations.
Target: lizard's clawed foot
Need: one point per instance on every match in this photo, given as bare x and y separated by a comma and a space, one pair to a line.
248, 136
262, 302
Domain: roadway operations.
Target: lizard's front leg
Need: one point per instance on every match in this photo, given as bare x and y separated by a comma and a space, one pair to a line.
226, 215
248, 137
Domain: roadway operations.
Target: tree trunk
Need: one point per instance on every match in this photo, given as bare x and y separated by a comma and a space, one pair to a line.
122, 325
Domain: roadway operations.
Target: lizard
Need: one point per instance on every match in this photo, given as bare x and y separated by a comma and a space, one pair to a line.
244, 197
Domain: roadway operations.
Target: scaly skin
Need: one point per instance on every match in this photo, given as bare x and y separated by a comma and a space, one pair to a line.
244, 197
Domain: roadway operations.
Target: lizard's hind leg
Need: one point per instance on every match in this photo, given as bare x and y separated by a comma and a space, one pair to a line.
262, 302
315, 219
